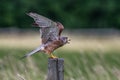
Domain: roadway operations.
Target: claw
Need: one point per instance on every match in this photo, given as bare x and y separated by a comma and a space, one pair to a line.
52, 56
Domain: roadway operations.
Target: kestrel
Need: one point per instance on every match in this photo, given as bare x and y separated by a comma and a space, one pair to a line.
50, 32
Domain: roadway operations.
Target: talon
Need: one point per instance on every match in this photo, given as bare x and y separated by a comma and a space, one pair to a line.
52, 56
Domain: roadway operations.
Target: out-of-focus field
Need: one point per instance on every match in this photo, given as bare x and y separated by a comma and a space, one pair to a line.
86, 57
77, 43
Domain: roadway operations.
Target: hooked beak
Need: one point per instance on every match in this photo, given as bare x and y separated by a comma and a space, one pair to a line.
68, 41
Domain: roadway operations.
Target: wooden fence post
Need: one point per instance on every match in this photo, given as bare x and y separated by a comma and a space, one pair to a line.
55, 69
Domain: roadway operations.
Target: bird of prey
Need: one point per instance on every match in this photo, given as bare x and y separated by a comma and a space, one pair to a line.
50, 32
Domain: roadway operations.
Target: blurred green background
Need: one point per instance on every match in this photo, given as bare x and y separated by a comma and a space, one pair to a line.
72, 13
92, 25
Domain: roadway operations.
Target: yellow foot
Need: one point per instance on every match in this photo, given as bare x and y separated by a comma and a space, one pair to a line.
52, 56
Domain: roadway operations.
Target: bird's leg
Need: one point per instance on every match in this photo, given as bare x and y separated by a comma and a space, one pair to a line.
52, 56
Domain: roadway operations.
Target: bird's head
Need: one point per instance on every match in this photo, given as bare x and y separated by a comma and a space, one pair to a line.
65, 40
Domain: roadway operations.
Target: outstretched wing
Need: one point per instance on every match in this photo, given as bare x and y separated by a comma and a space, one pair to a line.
48, 28
40, 20
49, 34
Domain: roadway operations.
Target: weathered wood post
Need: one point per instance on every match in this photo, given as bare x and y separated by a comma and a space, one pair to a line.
55, 69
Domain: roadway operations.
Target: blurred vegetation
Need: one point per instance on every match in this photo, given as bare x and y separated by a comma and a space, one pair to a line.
72, 13
78, 65
85, 58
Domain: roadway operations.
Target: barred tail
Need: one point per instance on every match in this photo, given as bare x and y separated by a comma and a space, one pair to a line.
33, 52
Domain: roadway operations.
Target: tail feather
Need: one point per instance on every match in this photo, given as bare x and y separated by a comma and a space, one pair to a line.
33, 52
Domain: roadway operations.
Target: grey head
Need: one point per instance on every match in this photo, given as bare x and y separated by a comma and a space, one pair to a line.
65, 40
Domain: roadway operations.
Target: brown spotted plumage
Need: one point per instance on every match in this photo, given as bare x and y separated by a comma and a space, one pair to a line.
50, 32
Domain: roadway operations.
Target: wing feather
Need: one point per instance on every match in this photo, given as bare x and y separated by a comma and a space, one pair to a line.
48, 29
40, 20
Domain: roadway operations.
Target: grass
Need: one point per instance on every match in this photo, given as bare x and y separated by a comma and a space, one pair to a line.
78, 66
85, 58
